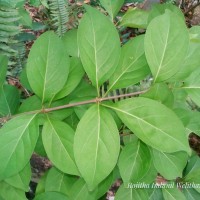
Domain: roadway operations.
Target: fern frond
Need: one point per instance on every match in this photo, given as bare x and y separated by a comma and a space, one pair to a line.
59, 15
8, 30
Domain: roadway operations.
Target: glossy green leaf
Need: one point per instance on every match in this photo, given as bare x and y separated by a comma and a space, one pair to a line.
76, 73
99, 52
18, 139
79, 191
172, 194
135, 18
70, 41
132, 193
161, 93
3, 69
192, 86
150, 120
58, 139
191, 194
8, 192
132, 66
170, 166
57, 181
96, 142
51, 196
9, 100
22, 179
49, 63
165, 48
159, 9
112, 6
134, 162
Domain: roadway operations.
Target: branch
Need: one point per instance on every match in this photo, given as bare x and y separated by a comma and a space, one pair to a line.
191, 8
96, 100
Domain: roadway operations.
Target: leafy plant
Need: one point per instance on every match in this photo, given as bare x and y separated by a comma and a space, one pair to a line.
92, 137
59, 14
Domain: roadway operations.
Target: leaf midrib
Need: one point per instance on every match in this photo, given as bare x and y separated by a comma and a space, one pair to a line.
140, 119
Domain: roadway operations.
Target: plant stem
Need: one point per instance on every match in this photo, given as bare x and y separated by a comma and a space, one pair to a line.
96, 100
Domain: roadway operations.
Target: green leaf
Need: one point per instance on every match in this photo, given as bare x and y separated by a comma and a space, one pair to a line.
150, 175
192, 170
195, 34
172, 194
3, 69
22, 179
72, 120
24, 80
83, 90
49, 63
9, 100
191, 194
190, 63
41, 184
165, 48
150, 120
18, 139
34, 103
134, 162
192, 86
57, 181
51, 196
135, 18
161, 93
112, 6
155, 194
170, 166
9, 192
76, 73
96, 145
104, 186
180, 96
70, 41
79, 191
25, 19
190, 119
80, 110
39, 147
132, 66
58, 139
131, 193
159, 9
99, 46
30, 104
194, 125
